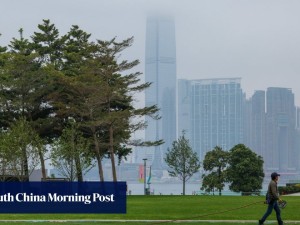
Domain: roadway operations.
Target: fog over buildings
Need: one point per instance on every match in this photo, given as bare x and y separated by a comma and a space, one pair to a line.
256, 41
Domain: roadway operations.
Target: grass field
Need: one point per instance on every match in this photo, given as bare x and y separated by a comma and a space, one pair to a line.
172, 208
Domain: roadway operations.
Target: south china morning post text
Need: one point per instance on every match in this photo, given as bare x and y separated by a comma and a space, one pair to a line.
54, 197
62, 197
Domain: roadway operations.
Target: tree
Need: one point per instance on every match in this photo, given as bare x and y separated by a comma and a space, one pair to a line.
245, 171
48, 44
19, 150
2, 49
71, 155
210, 182
76, 50
181, 159
215, 161
23, 85
50, 80
18, 76
81, 100
113, 118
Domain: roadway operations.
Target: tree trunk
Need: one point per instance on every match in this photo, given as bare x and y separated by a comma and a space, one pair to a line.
43, 167
98, 157
78, 168
25, 165
219, 175
100, 169
112, 155
77, 160
71, 169
183, 186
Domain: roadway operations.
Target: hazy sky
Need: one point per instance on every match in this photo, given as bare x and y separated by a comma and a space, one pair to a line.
257, 40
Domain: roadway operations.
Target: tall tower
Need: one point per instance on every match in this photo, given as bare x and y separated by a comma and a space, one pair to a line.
216, 114
160, 70
184, 103
258, 123
297, 138
281, 123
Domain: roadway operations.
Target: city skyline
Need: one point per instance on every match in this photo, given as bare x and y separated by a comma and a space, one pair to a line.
256, 40
215, 112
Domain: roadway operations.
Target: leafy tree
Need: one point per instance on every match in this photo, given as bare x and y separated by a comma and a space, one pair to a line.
47, 43
77, 49
115, 112
116, 101
215, 161
50, 80
17, 74
245, 171
210, 182
181, 159
73, 91
81, 99
23, 86
70, 154
2, 49
19, 150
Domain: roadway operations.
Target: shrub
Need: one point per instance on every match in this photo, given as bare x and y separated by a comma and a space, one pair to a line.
289, 189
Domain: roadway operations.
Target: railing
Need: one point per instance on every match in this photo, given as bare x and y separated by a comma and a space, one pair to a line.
231, 193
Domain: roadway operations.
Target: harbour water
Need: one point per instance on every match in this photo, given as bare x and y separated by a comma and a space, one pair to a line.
135, 188
163, 188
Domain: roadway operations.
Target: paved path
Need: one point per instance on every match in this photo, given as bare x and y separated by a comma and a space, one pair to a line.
295, 194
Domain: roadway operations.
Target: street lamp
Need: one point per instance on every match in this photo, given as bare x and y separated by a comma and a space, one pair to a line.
145, 176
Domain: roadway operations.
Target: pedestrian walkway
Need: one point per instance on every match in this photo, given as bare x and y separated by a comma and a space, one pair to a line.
294, 194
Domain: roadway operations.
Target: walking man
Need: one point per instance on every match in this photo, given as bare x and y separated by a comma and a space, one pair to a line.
272, 199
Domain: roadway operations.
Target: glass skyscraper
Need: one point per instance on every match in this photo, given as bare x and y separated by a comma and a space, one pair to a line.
215, 113
160, 70
273, 131
257, 125
297, 142
280, 130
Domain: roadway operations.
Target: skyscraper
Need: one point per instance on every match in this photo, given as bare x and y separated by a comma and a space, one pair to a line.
257, 124
160, 70
281, 123
215, 113
184, 106
297, 142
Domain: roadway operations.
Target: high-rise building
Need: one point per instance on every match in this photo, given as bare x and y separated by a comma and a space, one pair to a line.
257, 125
160, 70
184, 105
297, 145
215, 113
272, 129
280, 130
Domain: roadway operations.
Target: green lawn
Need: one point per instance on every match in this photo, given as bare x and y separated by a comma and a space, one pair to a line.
175, 208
